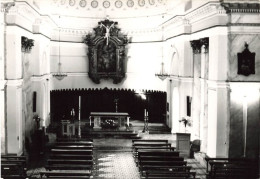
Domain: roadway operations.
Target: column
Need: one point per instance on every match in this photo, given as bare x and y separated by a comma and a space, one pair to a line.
204, 95
196, 94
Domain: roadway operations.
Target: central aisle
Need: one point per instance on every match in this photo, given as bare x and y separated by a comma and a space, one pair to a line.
114, 159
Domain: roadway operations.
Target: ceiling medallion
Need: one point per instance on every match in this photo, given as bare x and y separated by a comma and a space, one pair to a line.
72, 2
62, 2
118, 4
152, 2
106, 4
141, 3
94, 4
130, 3
82, 3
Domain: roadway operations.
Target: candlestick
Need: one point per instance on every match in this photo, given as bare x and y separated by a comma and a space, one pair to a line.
79, 132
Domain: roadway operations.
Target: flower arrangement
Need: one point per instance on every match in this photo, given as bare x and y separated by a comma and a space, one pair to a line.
186, 121
109, 123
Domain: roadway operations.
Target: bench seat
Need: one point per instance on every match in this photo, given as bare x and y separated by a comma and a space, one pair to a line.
68, 167
73, 147
69, 161
71, 156
75, 143
64, 174
71, 151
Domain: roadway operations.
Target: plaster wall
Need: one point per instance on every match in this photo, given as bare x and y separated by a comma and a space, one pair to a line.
142, 62
244, 120
237, 45
41, 55
19, 66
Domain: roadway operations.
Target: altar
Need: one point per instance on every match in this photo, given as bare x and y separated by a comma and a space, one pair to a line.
109, 120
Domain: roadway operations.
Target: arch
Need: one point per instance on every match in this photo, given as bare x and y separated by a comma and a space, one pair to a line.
174, 59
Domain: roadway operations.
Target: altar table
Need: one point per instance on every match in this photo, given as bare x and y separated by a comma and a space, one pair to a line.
119, 118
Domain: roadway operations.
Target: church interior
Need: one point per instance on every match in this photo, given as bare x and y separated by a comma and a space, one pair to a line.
130, 89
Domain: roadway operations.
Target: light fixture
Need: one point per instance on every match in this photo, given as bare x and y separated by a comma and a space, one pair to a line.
59, 75
162, 75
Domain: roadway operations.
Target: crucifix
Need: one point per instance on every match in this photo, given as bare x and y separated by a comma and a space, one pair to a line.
116, 102
107, 27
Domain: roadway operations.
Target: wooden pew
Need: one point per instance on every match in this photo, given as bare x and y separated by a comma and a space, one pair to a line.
66, 174
68, 167
151, 144
136, 141
231, 168
160, 158
69, 161
71, 156
163, 163
157, 153
166, 168
169, 174
87, 143
65, 139
68, 147
72, 151
139, 149
13, 166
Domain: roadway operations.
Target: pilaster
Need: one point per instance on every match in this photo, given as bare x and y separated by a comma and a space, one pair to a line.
14, 116
218, 113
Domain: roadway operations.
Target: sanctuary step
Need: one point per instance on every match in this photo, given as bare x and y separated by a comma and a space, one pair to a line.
154, 128
97, 133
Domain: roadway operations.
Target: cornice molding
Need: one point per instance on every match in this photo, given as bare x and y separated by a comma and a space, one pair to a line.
212, 84
17, 82
182, 79
241, 7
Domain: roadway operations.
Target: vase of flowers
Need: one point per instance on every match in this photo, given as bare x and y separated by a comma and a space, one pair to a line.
186, 122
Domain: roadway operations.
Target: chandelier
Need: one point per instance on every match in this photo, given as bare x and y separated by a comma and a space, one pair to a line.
59, 75
162, 75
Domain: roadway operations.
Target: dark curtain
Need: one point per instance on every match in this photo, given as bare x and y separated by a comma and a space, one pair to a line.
103, 100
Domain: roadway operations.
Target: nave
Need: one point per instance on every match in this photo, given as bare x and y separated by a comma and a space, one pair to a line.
113, 159
193, 65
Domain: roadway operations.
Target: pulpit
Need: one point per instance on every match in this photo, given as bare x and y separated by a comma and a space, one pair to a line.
113, 120
183, 144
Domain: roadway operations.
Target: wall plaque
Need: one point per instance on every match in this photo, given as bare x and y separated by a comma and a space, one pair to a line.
106, 52
246, 62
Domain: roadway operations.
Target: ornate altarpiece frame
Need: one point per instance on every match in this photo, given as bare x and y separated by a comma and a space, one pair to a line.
106, 52
246, 62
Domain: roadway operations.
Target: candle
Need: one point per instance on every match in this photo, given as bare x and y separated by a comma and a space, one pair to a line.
144, 112
147, 114
79, 106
